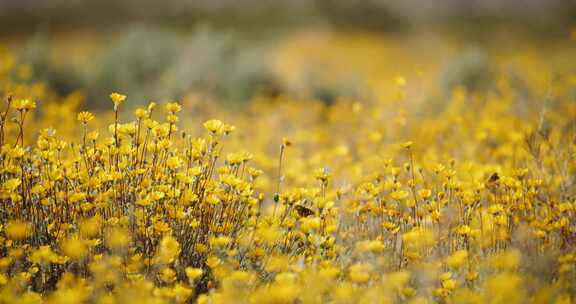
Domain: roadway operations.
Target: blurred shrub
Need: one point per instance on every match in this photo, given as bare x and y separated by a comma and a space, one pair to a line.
161, 64
151, 63
134, 63
62, 79
220, 64
470, 69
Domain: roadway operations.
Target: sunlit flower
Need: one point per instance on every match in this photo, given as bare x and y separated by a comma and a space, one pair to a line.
85, 117
117, 99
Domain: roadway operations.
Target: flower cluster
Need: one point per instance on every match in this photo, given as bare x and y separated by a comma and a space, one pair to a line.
352, 202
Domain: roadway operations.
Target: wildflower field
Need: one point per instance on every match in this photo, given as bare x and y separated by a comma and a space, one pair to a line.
415, 188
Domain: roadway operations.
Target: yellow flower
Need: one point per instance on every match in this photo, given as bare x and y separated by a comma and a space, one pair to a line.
174, 162
277, 263
173, 107
157, 195
286, 142
193, 273
418, 238
360, 273
505, 288
310, 224
151, 106
118, 238
117, 99
90, 227
424, 193
167, 275
44, 255
463, 230
182, 293
74, 248
449, 284
213, 262
508, 260
321, 174
457, 258
140, 113
84, 117
24, 105
11, 184
168, 251
373, 246
399, 195
213, 125
400, 81
93, 135
17, 230
172, 119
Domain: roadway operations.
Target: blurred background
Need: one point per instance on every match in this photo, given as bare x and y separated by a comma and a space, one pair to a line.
231, 51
